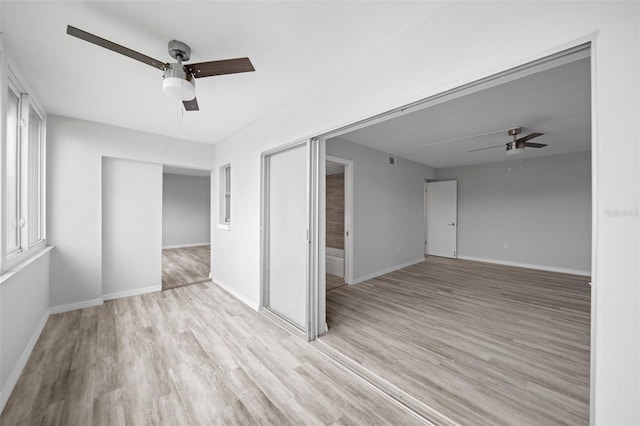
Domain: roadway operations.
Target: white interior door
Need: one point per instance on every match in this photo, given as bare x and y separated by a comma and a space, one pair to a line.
442, 218
287, 223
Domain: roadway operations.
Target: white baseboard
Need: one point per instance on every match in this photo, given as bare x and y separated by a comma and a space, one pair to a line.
73, 306
334, 266
529, 266
8, 386
134, 292
234, 293
185, 245
385, 271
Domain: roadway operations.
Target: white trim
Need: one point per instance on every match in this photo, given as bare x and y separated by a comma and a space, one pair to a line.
348, 215
7, 389
386, 271
528, 265
75, 306
21, 265
222, 219
313, 249
234, 293
185, 245
335, 252
595, 155
10, 73
334, 262
224, 226
129, 293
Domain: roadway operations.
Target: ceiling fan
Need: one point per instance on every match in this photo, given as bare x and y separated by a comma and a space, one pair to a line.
516, 146
178, 78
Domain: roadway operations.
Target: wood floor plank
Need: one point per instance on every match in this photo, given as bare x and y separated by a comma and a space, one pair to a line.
185, 265
333, 282
191, 355
480, 343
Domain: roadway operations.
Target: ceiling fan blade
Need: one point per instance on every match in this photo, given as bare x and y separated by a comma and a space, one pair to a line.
226, 66
535, 145
489, 147
529, 137
83, 35
191, 105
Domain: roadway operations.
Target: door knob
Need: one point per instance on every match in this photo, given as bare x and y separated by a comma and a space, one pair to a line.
452, 224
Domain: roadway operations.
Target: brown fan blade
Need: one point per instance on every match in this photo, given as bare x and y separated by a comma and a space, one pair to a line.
226, 66
489, 147
529, 137
191, 105
535, 145
83, 35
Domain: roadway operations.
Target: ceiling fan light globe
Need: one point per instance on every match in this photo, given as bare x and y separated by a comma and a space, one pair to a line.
515, 151
179, 88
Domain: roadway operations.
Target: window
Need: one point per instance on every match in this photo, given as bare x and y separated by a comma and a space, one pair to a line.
23, 226
225, 197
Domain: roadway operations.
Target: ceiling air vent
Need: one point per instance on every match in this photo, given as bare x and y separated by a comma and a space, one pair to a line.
393, 161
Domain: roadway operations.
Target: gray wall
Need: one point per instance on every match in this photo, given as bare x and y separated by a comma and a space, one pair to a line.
540, 207
185, 210
388, 208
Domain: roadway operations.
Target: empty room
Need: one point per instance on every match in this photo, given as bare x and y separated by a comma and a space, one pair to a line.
503, 296
374, 212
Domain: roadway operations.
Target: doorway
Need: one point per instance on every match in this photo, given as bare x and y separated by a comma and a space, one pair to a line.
338, 226
438, 278
441, 218
186, 226
286, 179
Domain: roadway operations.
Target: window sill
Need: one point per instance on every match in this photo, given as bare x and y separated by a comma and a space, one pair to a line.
17, 268
224, 226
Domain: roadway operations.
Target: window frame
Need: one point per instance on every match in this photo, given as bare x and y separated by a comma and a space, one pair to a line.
224, 218
28, 109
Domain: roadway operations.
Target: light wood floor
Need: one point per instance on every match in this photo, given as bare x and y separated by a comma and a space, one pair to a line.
186, 265
480, 343
333, 282
190, 355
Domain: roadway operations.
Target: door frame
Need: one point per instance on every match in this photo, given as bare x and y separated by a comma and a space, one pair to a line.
510, 71
348, 215
312, 147
455, 223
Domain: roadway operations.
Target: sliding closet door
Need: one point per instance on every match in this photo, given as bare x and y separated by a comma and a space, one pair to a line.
285, 222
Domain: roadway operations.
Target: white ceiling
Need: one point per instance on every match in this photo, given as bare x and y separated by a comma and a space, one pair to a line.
293, 46
555, 102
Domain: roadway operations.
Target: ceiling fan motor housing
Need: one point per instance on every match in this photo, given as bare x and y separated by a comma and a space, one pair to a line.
515, 147
178, 83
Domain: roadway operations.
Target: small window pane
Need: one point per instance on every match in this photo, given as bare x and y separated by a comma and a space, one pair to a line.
13, 173
227, 208
34, 194
225, 194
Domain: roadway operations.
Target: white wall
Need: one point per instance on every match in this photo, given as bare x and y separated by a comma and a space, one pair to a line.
388, 208
131, 227
24, 309
539, 207
24, 290
186, 209
74, 196
464, 42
